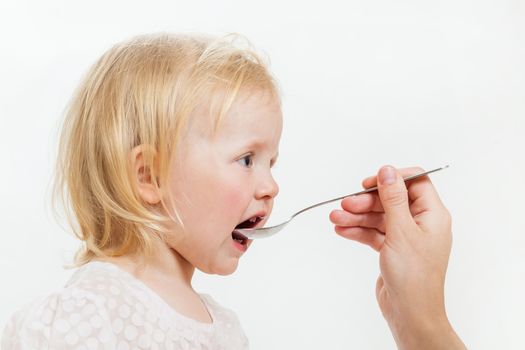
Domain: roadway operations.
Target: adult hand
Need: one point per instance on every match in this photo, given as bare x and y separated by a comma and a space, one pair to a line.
411, 229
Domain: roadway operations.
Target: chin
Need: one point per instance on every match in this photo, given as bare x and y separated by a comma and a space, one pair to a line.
224, 269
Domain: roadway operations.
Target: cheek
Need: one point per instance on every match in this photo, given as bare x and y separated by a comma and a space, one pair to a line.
224, 200
234, 198
234, 201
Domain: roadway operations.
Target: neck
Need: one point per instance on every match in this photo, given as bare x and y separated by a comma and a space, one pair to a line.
169, 265
166, 266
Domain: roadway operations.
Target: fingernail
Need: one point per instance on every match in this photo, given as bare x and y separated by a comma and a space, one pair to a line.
387, 175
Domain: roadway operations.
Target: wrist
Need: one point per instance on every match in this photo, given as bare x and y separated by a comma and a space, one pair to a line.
428, 333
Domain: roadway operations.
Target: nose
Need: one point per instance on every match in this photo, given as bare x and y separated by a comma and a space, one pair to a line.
267, 188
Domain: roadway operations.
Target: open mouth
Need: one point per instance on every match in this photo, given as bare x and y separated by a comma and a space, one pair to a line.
250, 223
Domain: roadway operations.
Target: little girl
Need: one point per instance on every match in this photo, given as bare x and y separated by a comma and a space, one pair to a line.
167, 147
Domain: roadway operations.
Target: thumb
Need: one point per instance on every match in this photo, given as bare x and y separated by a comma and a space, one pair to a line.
394, 198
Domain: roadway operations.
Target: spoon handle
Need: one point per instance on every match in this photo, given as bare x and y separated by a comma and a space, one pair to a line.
371, 189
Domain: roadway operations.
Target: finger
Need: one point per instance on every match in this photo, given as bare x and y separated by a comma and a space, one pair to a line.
370, 202
371, 181
362, 203
368, 236
369, 220
394, 197
425, 204
423, 196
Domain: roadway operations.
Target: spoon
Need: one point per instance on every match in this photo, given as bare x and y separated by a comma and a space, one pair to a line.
263, 232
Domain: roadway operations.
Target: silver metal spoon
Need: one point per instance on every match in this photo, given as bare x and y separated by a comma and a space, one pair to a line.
264, 232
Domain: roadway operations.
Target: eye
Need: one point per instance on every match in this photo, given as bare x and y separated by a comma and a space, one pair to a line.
247, 160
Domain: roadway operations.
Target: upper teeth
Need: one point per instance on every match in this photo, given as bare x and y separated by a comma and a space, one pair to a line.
253, 219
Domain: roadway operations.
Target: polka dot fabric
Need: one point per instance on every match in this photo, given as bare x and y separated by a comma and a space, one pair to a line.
105, 307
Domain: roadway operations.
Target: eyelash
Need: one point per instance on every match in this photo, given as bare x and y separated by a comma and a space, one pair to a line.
250, 156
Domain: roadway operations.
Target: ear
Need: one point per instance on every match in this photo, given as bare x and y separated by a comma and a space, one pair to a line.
141, 174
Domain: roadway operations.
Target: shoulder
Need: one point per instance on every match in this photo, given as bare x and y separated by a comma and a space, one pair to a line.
60, 319
85, 312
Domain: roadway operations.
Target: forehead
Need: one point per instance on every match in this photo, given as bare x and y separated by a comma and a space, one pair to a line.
252, 112
255, 115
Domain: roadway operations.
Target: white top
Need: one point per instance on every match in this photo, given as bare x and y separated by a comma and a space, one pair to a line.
105, 307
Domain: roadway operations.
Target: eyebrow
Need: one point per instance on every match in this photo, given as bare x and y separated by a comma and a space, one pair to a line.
258, 145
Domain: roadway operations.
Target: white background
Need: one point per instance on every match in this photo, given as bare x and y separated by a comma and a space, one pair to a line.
365, 83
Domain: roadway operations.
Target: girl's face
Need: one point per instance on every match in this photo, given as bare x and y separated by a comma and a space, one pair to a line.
220, 180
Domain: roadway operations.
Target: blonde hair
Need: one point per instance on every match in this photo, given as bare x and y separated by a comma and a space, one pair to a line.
141, 92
